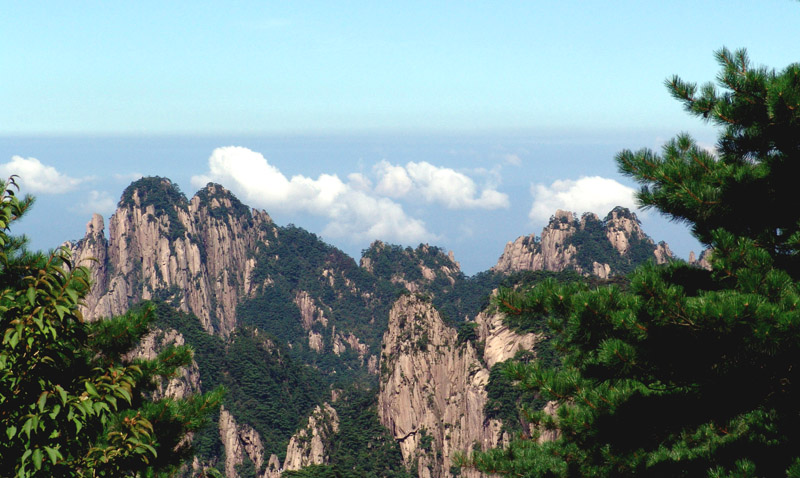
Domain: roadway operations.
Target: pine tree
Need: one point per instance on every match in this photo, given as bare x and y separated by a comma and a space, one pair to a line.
687, 372
73, 402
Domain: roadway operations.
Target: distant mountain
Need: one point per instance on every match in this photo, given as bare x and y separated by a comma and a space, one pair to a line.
322, 356
612, 246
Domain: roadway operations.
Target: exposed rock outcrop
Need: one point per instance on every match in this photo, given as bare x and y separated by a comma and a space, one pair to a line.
186, 380
309, 312
500, 342
239, 441
311, 444
663, 253
563, 243
196, 254
703, 262
432, 391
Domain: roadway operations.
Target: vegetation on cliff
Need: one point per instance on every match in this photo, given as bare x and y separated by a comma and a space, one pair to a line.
266, 387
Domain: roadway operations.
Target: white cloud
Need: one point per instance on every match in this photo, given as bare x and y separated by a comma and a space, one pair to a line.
352, 211
436, 184
35, 177
98, 202
513, 159
128, 177
587, 194
359, 182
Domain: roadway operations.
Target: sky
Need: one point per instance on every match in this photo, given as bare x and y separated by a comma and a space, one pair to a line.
459, 124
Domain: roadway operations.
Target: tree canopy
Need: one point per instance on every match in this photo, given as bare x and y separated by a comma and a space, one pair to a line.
688, 372
73, 400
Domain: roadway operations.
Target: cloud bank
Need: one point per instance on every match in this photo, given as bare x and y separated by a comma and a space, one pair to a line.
587, 194
435, 184
35, 177
353, 212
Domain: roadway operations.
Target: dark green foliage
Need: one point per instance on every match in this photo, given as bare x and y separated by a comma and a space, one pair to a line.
467, 297
687, 372
266, 387
350, 298
161, 193
388, 260
425, 440
467, 332
512, 404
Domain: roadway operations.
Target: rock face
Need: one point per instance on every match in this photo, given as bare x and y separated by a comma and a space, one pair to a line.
432, 391
197, 254
311, 444
570, 244
703, 262
239, 441
186, 380
500, 342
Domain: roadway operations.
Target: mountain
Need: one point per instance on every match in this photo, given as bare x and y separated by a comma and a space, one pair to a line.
614, 245
386, 367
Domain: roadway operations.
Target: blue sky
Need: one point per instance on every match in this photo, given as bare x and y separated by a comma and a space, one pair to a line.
445, 122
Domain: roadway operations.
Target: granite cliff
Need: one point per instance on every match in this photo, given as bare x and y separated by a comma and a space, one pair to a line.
433, 385
196, 254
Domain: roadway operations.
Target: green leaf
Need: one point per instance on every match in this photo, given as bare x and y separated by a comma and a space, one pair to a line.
31, 293
42, 401
53, 454
7, 334
14, 339
62, 393
26, 427
37, 458
11, 431
90, 388
124, 394
98, 406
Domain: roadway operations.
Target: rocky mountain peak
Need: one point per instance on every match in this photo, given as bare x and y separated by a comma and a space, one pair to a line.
195, 254
152, 190
219, 202
590, 246
622, 227
562, 217
415, 269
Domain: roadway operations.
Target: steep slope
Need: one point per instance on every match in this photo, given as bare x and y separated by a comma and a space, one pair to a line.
590, 246
195, 254
432, 391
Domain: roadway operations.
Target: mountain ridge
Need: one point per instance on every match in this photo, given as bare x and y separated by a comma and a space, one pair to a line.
246, 281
